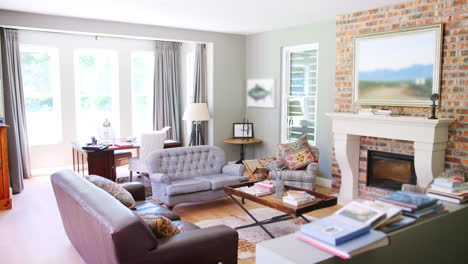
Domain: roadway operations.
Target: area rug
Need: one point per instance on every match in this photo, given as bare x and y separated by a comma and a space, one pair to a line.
249, 237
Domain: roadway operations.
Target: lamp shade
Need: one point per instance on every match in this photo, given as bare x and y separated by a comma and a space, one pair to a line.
295, 108
196, 112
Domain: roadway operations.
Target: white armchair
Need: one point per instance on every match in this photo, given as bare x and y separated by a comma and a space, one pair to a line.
149, 142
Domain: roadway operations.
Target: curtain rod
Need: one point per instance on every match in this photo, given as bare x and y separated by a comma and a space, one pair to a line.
97, 34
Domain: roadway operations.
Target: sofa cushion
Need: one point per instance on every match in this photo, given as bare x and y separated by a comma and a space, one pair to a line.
113, 189
161, 226
218, 181
185, 225
152, 208
187, 186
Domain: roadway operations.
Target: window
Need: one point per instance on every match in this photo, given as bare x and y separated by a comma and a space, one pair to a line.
300, 65
142, 91
96, 82
40, 75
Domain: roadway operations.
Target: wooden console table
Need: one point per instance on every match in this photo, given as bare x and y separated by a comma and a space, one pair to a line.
242, 142
5, 199
101, 162
442, 239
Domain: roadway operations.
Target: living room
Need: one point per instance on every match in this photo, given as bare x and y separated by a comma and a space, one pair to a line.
234, 49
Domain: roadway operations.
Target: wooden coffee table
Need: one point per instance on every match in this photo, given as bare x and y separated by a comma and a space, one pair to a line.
291, 211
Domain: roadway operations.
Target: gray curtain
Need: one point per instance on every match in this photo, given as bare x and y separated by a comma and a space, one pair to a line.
166, 107
15, 113
200, 91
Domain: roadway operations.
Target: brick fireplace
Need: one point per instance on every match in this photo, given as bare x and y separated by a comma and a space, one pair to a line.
454, 84
430, 138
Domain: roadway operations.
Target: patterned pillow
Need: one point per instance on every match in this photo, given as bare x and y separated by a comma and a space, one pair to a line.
113, 189
299, 159
288, 148
161, 226
266, 161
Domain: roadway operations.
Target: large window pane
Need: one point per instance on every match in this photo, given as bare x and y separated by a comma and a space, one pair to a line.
300, 73
40, 75
142, 91
96, 79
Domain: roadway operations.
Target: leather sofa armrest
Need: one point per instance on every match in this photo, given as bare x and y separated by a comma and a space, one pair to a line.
160, 178
199, 246
136, 189
234, 169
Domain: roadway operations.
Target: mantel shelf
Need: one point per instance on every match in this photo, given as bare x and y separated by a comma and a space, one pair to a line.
392, 119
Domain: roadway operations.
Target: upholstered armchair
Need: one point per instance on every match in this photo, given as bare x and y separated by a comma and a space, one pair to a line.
303, 178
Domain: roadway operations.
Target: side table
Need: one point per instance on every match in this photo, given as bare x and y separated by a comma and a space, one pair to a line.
242, 142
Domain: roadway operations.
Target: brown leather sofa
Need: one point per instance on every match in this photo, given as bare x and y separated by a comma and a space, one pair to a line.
105, 231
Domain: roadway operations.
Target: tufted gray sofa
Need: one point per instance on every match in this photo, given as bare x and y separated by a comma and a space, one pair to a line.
191, 174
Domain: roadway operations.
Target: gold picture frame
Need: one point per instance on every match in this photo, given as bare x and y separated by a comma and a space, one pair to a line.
398, 67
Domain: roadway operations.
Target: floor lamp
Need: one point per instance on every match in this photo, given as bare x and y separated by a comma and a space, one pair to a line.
196, 112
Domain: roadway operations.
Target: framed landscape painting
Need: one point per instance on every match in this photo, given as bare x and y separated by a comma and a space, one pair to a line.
400, 68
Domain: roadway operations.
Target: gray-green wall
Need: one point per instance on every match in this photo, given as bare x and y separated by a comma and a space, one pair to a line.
263, 60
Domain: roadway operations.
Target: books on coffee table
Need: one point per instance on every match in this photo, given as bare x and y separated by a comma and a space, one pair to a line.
297, 198
254, 190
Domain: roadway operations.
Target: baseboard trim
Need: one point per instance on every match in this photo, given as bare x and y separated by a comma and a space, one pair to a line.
323, 182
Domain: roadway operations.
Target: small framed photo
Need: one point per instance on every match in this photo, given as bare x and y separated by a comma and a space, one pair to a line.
243, 130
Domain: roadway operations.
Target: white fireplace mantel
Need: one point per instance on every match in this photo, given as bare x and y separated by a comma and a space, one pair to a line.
430, 138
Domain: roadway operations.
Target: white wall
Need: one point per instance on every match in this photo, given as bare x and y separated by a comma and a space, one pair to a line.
263, 60
227, 62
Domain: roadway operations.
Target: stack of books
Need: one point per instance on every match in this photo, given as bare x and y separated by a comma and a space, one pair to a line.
392, 214
259, 188
297, 198
449, 190
414, 205
265, 185
254, 190
347, 232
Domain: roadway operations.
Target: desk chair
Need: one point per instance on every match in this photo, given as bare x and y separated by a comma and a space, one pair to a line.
150, 141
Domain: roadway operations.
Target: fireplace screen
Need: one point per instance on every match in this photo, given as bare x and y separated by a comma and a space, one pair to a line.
388, 170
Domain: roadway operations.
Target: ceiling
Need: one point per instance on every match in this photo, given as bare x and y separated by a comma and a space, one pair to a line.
228, 16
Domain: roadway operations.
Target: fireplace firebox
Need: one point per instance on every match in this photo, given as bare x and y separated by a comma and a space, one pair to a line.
388, 170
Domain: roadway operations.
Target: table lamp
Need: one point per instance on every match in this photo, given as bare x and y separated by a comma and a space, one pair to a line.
196, 112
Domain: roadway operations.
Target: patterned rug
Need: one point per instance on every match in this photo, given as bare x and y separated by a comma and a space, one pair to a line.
249, 237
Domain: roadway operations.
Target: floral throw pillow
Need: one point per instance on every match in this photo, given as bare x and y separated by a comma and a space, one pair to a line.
113, 189
286, 149
161, 226
265, 162
299, 159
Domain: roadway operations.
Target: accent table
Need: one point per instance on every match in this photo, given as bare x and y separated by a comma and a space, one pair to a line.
242, 142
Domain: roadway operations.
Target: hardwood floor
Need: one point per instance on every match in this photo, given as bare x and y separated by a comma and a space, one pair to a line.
32, 231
